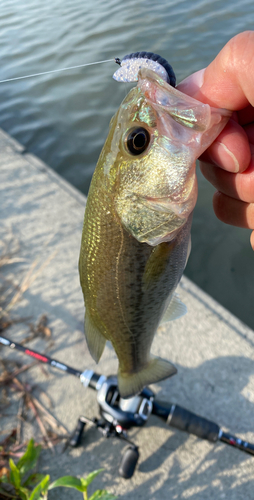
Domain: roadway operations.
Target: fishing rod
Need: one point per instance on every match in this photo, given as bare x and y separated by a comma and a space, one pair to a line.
118, 414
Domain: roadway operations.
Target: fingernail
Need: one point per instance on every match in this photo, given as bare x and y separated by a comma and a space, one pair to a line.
192, 83
221, 155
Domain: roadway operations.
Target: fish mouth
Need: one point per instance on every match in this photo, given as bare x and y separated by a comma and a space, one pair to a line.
181, 107
186, 110
201, 119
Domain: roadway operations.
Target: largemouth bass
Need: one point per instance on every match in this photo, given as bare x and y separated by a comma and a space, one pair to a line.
136, 234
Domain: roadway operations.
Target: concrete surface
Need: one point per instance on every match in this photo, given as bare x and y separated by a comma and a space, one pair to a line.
212, 349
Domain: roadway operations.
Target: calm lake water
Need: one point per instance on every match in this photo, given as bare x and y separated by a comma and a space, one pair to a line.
63, 118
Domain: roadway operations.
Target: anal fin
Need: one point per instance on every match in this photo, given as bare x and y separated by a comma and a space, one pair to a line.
175, 310
95, 340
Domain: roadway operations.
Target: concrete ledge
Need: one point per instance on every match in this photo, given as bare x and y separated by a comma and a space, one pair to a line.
212, 349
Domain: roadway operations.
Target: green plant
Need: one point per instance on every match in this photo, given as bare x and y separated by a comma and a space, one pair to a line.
17, 481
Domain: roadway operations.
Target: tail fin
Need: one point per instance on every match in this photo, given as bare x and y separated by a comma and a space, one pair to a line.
157, 369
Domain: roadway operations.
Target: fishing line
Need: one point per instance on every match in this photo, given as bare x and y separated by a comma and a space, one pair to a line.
56, 70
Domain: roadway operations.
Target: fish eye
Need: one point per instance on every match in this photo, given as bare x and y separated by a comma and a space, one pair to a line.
137, 140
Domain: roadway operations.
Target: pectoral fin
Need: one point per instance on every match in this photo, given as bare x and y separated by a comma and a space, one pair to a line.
95, 340
157, 263
175, 310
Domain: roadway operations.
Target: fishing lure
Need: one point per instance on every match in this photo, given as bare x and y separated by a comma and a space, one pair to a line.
132, 63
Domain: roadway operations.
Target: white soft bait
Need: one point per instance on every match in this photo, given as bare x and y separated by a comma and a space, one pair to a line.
132, 63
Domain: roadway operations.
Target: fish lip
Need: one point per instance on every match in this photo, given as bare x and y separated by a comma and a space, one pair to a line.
163, 97
146, 78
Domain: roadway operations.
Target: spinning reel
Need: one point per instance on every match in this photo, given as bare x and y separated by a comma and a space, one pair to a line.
117, 415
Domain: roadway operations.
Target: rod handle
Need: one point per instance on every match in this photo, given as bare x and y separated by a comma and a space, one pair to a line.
185, 420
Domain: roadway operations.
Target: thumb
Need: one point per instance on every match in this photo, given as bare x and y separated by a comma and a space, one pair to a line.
193, 83
228, 81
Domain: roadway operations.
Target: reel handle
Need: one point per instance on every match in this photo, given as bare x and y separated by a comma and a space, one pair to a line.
129, 462
77, 435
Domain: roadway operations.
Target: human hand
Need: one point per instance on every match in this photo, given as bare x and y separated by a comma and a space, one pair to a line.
228, 82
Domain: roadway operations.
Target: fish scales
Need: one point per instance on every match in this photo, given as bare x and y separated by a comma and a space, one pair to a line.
121, 296
136, 234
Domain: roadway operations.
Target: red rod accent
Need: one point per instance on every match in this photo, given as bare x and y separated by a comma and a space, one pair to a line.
36, 355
